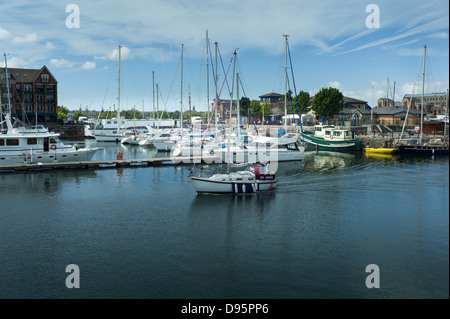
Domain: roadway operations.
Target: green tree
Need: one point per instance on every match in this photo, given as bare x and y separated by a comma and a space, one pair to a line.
77, 114
244, 104
328, 101
255, 108
303, 102
266, 109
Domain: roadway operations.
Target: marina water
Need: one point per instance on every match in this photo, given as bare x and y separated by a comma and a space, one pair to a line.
143, 232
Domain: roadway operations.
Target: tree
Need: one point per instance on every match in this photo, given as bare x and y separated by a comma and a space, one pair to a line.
303, 102
327, 101
77, 114
255, 108
244, 104
62, 112
266, 109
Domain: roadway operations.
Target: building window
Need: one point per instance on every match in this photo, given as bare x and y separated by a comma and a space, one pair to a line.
41, 108
50, 99
45, 78
28, 88
50, 88
28, 98
40, 98
39, 89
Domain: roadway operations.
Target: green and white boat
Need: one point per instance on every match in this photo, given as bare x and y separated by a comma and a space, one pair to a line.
331, 138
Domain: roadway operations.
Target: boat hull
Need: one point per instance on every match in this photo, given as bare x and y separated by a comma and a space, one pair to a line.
320, 143
371, 150
422, 149
70, 155
205, 185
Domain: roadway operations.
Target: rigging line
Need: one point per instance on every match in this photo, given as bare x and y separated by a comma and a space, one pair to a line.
173, 80
248, 107
223, 69
410, 99
295, 90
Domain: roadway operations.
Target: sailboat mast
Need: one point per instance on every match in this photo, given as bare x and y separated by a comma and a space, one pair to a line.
207, 71
215, 83
157, 103
118, 99
238, 109
446, 112
8, 112
181, 101
153, 78
423, 92
231, 106
285, 82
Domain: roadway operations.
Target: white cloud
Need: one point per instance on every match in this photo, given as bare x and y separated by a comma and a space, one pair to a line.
89, 65
29, 38
4, 34
61, 63
114, 54
334, 84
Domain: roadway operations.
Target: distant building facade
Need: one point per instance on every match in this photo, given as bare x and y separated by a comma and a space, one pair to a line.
434, 103
32, 92
271, 98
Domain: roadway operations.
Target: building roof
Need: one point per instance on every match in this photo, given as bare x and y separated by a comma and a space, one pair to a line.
23, 75
271, 94
352, 100
390, 110
419, 95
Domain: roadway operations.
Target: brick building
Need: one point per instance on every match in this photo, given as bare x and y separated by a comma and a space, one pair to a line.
32, 92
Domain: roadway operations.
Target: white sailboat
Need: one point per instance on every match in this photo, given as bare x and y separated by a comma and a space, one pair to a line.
252, 180
115, 135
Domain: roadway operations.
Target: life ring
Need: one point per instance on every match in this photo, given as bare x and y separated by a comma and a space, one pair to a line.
53, 147
331, 137
119, 155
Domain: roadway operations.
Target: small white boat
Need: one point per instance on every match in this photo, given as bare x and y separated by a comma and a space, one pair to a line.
253, 180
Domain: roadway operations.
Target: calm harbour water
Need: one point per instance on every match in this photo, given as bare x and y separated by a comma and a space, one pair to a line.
143, 232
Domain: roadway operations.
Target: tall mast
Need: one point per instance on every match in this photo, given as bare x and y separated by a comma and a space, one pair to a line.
8, 112
215, 82
157, 103
446, 112
207, 71
231, 106
181, 101
423, 91
285, 82
237, 101
118, 99
153, 76
387, 92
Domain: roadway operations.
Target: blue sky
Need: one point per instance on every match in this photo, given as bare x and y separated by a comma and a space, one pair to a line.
330, 45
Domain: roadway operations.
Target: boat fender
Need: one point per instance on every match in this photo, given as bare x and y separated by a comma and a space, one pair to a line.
254, 188
53, 147
272, 186
244, 188
119, 155
236, 190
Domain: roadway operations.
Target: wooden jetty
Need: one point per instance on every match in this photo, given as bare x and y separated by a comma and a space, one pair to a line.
99, 164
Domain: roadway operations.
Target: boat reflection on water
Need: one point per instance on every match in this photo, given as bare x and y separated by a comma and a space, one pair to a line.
251, 203
325, 160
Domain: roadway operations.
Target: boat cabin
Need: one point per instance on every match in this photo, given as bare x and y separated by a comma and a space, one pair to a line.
330, 132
